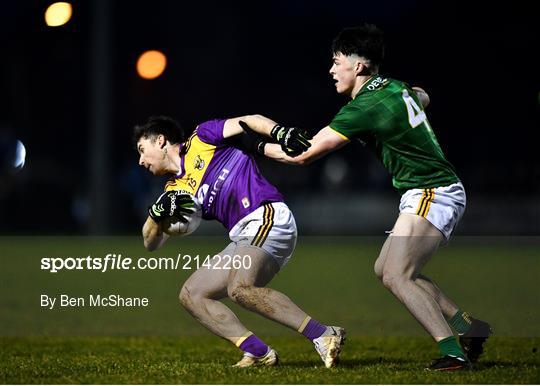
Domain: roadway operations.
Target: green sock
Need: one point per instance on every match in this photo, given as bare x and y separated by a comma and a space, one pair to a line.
450, 346
461, 322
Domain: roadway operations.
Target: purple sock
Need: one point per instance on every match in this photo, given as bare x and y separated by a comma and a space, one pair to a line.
254, 346
313, 329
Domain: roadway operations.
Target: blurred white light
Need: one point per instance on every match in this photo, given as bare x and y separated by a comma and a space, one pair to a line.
20, 155
335, 170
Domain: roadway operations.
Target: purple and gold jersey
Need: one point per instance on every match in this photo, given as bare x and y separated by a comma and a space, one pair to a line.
225, 180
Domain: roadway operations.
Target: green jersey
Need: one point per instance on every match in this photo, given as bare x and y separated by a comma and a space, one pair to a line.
387, 117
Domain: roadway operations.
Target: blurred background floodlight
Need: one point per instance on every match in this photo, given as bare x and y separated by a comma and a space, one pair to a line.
58, 14
151, 64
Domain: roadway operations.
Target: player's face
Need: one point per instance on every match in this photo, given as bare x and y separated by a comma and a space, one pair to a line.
151, 155
343, 71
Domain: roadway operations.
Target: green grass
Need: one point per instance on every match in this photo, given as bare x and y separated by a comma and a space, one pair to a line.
330, 278
208, 360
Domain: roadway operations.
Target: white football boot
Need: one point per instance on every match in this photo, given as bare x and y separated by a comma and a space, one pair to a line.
329, 345
269, 359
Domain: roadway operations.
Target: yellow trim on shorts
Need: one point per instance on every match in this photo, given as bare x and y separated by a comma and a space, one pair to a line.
430, 200
421, 202
264, 229
243, 338
304, 324
428, 196
261, 228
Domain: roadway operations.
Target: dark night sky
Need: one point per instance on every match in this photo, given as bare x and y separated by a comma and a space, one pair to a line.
478, 63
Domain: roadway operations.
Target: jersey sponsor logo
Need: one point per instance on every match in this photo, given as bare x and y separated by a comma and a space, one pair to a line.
245, 202
375, 83
203, 191
216, 187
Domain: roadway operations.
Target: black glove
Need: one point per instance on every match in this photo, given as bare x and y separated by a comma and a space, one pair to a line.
251, 141
175, 204
293, 141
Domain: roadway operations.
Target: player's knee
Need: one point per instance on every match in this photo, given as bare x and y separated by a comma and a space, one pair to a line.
378, 269
186, 297
387, 279
394, 279
391, 279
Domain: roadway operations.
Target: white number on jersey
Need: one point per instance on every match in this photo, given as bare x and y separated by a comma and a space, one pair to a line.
415, 113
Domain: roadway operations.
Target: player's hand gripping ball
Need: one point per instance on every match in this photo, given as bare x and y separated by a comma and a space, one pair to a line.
185, 225
177, 211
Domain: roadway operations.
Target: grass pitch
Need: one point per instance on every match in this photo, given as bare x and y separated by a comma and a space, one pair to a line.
332, 279
208, 360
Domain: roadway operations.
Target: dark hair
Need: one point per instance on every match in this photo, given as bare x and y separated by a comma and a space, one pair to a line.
365, 40
156, 125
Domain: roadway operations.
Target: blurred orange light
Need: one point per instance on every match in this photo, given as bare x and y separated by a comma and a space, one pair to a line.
58, 14
151, 64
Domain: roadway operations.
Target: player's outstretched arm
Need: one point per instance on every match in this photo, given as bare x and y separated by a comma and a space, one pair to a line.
324, 142
293, 141
258, 123
153, 236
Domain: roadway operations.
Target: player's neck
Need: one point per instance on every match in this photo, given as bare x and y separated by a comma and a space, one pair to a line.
360, 82
173, 156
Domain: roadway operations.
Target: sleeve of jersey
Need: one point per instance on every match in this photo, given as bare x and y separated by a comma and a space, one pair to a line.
211, 132
350, 122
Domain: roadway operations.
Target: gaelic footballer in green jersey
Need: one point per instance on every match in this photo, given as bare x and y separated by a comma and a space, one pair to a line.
387, 116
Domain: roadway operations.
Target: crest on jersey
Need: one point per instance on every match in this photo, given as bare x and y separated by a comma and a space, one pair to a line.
198, 163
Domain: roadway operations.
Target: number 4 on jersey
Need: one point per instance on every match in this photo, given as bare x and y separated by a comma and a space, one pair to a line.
415, 113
